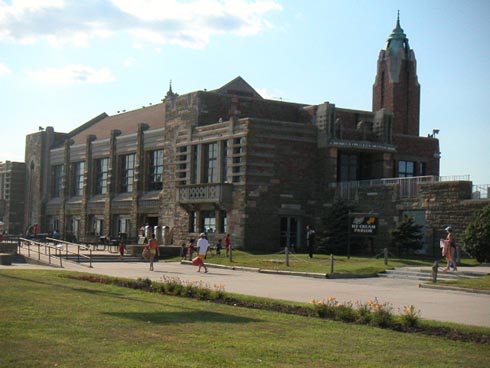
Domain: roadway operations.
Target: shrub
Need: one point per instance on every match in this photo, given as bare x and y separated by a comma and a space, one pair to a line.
381, 315
345, 312
410, 316
325, 309
363, 313
476, 237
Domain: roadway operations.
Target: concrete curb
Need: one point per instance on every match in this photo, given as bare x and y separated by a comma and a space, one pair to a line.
454, 288
286, 273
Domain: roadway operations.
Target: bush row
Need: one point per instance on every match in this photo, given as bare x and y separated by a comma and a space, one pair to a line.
371, 313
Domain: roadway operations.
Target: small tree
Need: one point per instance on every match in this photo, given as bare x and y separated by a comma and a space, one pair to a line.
476, 237
406, 237
333, 238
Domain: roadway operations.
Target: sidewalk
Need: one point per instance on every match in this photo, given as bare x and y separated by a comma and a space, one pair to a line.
441, 305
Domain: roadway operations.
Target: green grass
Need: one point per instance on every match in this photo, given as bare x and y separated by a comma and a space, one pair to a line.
480, 283
320, 263
49, 321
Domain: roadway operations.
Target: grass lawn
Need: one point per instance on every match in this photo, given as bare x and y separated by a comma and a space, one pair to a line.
320, 263
481, 283
48, 321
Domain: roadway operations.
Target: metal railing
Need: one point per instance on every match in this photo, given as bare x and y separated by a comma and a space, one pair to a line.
54, 252
407, 187
480, 191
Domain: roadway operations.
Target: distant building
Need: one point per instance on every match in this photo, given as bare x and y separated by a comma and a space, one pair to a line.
226, 161
12, 181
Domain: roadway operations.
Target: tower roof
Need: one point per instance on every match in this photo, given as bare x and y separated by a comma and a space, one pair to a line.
397, 39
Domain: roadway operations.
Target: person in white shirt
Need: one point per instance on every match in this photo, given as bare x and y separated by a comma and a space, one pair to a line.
202, 249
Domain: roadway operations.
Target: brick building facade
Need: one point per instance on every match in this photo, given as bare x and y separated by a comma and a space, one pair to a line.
12, 179
227, 161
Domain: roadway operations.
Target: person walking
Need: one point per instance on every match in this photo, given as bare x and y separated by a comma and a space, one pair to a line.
219, 246
202, 249
310, 240
190, 248
450, 250
153, 250
122, 249
227, 244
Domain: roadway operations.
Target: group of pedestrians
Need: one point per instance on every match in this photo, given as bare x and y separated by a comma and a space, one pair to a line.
448, 245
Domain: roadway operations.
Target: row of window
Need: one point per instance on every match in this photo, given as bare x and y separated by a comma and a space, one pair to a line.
199, 221
204, 163
125, 174
209, 163
350, 168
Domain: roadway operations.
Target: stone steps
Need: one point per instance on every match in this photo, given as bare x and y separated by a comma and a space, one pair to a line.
103, 258
426, 274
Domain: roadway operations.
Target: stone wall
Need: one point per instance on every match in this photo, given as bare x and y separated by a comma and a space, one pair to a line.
443, 204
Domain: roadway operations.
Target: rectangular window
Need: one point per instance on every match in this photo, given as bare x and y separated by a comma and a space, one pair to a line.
406, 169
98, 226
348, 167
193, 222
422, 169
223, 228
156, 170
123, 226
182, 168
224, 163
57, 177
127, 173
211, 163
209, 221
194, 164
101, 175
237, 159
78, 174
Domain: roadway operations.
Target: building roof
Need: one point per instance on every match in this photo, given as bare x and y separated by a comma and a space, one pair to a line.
239, 87
126, 122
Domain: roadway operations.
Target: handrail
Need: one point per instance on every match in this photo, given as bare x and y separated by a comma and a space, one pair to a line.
57, 250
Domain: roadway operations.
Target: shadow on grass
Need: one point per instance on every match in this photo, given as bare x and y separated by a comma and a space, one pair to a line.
182, 317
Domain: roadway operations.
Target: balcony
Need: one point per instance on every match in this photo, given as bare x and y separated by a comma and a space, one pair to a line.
216, 194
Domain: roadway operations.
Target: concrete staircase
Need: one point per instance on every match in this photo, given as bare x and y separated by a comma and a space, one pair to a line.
97, 258
425, 274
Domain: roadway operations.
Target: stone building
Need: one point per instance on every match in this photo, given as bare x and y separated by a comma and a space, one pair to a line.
227, 161
12, 179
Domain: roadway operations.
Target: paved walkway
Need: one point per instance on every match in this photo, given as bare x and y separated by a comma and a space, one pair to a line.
441, 305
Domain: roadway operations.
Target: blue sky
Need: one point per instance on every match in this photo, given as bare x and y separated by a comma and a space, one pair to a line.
63, 62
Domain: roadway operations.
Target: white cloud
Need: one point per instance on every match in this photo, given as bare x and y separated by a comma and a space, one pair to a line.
129, 62
4, 70
187, 23
73, 74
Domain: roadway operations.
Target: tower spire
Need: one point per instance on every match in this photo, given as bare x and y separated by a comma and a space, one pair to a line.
397, 39
170, 93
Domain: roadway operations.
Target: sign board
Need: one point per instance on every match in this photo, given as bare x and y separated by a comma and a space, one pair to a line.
364, 225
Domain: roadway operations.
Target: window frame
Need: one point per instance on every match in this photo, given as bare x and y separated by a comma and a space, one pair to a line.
155, 169
101, 166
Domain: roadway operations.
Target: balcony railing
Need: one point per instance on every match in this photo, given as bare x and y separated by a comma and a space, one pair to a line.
204, 193
481, 191
408, 187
